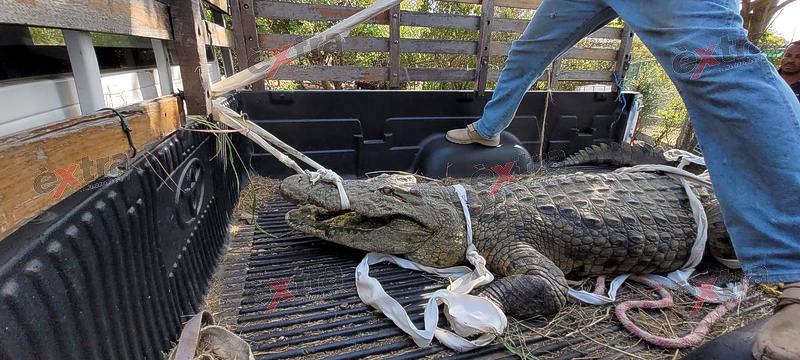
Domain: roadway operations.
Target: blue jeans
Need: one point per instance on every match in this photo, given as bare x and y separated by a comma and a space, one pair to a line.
746, 118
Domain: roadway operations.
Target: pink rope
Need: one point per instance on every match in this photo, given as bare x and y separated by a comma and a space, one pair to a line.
693, 338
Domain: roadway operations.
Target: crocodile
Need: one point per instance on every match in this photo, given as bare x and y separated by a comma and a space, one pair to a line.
535, 232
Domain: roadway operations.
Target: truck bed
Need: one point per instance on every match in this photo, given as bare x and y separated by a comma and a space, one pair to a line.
293, 296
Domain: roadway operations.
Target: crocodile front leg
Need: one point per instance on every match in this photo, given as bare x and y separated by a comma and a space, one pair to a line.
532, 285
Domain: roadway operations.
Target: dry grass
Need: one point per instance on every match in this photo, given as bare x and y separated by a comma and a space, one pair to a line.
604, 336
251, 200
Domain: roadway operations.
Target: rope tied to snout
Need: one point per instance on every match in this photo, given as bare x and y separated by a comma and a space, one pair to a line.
331, 176
271, 143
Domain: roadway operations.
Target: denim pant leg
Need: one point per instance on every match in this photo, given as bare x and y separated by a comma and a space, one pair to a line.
556, 26
747, 122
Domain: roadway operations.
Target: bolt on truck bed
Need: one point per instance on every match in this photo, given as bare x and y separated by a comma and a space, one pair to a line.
114, 271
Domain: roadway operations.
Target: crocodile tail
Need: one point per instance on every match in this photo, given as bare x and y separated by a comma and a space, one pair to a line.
615, 155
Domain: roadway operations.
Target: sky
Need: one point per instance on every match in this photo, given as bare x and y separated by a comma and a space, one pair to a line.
787, 22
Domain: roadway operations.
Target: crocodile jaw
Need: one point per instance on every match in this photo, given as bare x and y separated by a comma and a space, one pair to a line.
392, 234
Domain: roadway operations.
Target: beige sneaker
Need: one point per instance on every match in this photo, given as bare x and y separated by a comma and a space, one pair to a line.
469, 135
778, 338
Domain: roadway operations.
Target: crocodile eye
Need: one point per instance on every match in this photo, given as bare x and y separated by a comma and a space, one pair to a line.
387, 191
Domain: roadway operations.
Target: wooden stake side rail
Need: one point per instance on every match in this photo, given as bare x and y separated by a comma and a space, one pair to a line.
273, 42
146, 18
355, 73
520, 4
394, 45
45, 165
317, 12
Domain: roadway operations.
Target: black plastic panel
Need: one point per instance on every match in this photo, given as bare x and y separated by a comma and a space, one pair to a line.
355, 132
113, 273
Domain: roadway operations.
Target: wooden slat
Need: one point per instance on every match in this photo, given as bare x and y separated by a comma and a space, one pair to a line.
43, 157
246, 39
315, 12
190, 49
518, 26
586, 75
394, 47
624, 55
520, 4
218, 5
502, 48
146, 18
370, 44
217, 35
355, 73
484, 38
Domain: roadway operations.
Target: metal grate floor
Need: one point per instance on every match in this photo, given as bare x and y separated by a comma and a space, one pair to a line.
293, 296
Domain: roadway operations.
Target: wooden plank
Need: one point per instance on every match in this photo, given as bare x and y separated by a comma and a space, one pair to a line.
331, 73
218, 5
190, 49
217, 35
146, 18
370, 44
51, 162
315, 12
394, 47
623, 56
85, 70
597, 76
518, 26
484, 38
520, 4
586, 75
502, 49
245, 37
355, 73
555, 73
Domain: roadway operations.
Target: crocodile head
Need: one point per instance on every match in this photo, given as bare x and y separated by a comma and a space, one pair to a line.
388, 214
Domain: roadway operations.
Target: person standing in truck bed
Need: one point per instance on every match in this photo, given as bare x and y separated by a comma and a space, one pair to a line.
790, 67
746, 117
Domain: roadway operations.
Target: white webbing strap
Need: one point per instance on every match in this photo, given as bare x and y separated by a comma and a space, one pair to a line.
272, 144
679, 279
468, 315
331, 177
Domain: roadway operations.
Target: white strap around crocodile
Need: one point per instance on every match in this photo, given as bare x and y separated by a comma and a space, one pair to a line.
468, 315
679, 279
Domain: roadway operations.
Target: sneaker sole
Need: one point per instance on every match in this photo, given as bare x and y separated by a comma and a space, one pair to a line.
467, 142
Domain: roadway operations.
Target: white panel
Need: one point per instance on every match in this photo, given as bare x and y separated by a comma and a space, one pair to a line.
30, 103
84, 65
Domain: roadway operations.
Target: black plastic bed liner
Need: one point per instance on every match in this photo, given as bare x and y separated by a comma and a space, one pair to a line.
293, 296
